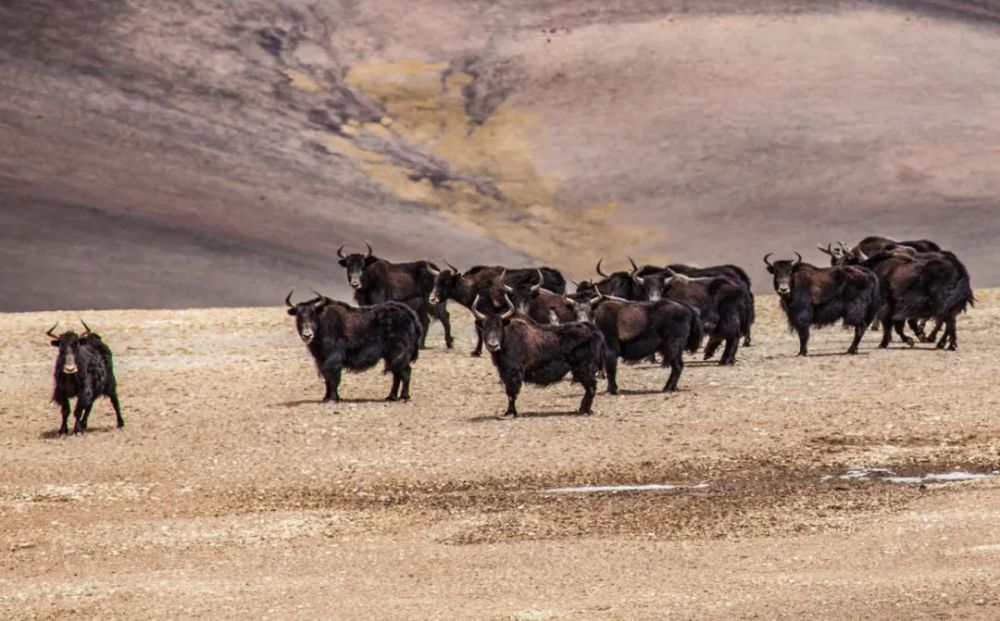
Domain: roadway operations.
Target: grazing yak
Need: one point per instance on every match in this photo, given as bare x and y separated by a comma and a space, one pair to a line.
817, 296
927, 285
85, 371
725, 305
340, 337
524, 351
875, 244
536, 302
376, 280
635, 331
483, 281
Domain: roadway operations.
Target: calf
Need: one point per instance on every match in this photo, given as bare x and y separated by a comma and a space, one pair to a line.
816, 296
635, 331
342, 337
375, 281
85, 371
725, 305
524, 351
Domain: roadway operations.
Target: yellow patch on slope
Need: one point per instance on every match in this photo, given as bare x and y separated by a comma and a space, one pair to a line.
305, 82
425, 108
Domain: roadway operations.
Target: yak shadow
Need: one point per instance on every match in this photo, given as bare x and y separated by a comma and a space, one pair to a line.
52, 434
498, 417
639, 391
300, 402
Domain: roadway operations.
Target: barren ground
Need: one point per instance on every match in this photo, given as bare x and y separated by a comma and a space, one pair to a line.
232, 493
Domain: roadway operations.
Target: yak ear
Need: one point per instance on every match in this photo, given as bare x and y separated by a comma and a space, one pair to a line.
291, 311
342, 262
55, 343
770, 270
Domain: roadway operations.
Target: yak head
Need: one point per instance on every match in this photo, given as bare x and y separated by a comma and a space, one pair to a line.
782, 272
355, 264
520, 296
652, 281
583, 303
493, 323
69, 348
446, 283
307, 315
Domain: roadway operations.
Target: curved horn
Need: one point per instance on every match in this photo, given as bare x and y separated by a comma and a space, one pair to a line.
599, 272
569, 301
369, 249
510, 308
475, 309
541, 281
766, 262
86, 328
826, 250
861, 254
288, 299
340, 251
503, 284
50, 333
597, 298
635, 272
797, 261
434, 272
574, 283
452, 267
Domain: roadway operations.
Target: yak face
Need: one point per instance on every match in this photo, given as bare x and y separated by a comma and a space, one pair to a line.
355, 264
521, 296
69, 352
583, 303
445, 286
493, 324
306, 317
782, 272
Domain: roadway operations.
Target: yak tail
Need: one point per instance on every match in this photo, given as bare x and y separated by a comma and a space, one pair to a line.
959, 296
875, 303
695, 333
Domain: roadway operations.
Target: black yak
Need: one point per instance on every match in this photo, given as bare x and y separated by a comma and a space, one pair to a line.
84, 370
340, 337
524, 351
635, 331
536, 302
818, 296
376, 280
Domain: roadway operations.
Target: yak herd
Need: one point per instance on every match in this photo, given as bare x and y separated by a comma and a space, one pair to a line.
537, 332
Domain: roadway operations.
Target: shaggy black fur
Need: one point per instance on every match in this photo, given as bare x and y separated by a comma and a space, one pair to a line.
84, 370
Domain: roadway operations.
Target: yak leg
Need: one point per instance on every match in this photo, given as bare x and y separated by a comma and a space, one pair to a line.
478, 351
82, 403
587, 376
918, 329
64, 408
113, 395
397, 379
332, 378
898, 326
937, 328
86, 416
425, 325
886, 330
611, 370
405, 395
512, 384
441, 312
954, 334
712, 346
729, 353
746, 337
859, 331
803, 339
949, 337
676, 367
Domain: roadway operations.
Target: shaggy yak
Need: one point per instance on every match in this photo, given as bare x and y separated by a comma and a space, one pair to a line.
340, 337
84, 370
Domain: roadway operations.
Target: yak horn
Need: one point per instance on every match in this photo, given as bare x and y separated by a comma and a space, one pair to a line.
826, 250
503, 284
861, 254
49, 333
369, 249
635, 272
85, 327
288, 299
766, 262
452, 267
541, 281
599, 272
569, 301
433, 270
475, 309
510, 308
597, 298
799, 260
340, 251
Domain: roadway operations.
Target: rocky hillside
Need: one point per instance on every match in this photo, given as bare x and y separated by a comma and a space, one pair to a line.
218, 152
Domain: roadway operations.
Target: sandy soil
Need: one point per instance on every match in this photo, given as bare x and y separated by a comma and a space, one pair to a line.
232, 493
223, 145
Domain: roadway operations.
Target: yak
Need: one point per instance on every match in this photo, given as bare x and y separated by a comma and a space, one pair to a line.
84, 370
928, 285
340, 337
524, 351
616, 284
725, 305
874, 244
483, 281
817, 296
732, 272
376, 280
536, 302
635, 331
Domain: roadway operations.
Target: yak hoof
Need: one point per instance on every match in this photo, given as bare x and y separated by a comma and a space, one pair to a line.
910, 342
852, 351
392, 398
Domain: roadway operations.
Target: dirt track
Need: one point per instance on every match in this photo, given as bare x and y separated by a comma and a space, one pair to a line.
232, 493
